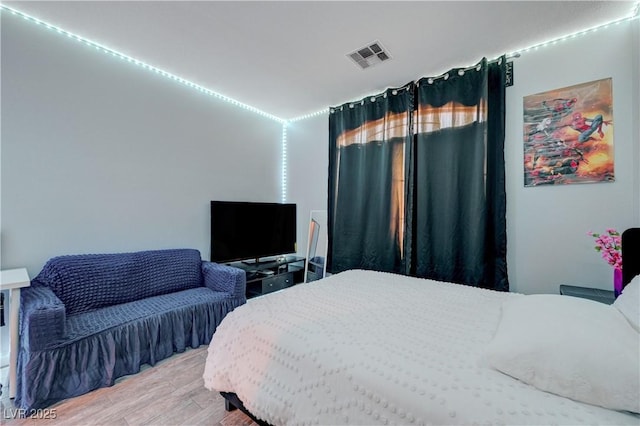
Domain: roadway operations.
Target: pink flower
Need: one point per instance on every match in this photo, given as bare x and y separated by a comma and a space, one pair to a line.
609, 246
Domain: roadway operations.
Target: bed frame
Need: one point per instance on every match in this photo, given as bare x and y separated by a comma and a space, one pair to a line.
232, 402
630, 260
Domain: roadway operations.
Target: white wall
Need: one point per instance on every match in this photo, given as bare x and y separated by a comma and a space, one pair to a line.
308, 170
547, 225
99, 155
636, 113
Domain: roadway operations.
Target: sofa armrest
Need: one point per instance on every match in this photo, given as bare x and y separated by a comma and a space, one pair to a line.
224, 278
42, 318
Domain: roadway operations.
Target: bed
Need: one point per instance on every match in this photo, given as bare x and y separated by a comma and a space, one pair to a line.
363, 347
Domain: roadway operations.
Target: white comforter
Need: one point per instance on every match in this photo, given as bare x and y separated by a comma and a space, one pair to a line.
373, 348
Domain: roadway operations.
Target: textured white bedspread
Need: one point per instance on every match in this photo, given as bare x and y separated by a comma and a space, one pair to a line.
370, 348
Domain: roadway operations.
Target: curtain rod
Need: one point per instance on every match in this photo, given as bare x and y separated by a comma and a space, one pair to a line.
477, 66
406, 86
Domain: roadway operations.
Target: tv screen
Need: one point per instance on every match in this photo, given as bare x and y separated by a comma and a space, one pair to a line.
251, 230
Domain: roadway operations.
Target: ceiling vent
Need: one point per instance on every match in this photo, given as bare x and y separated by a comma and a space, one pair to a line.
370, 55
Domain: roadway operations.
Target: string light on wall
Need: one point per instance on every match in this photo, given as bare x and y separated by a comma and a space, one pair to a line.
634, 15
173, 77
284, 163
116, 54
313, 114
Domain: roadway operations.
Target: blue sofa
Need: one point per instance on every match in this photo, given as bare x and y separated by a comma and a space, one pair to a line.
88, 319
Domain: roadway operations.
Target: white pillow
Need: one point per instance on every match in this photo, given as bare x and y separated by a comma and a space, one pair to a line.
572, 347
629, 302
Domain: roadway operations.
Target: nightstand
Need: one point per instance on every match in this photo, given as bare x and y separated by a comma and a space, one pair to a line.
603, 296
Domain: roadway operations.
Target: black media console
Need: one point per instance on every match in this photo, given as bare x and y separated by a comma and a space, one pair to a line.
265, 277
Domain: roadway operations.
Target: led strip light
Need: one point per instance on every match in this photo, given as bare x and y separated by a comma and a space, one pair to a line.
313, 114
3, 8
634, 15
144, 65
284, 163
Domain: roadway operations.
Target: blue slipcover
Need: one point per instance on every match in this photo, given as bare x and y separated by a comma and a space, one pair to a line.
89, 319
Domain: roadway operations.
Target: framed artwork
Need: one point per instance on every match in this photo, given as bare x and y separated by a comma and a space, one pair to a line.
568, 135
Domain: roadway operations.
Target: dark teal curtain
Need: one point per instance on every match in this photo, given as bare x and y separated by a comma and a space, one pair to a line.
459, 200
452, 220
368, 141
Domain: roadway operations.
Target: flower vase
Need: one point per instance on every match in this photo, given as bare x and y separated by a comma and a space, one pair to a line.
617, 281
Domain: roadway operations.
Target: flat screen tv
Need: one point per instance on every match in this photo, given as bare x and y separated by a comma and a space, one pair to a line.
251, 230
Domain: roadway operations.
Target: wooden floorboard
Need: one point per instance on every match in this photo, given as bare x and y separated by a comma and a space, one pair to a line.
170, 393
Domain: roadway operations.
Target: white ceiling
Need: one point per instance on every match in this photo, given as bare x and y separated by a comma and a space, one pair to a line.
288, 58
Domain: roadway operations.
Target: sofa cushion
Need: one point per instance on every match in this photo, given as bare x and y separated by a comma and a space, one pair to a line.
88, 282
84, 324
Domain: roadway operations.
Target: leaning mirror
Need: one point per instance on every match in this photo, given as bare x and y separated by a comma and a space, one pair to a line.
315, 265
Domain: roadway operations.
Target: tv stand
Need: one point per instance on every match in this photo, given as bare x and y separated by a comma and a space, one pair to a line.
268, 276
257, 261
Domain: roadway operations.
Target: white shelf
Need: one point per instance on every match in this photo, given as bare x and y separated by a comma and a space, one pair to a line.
14, 278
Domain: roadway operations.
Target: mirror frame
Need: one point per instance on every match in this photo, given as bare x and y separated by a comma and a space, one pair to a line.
317, 234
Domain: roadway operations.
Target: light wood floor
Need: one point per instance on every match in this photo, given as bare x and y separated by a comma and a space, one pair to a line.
170, 393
